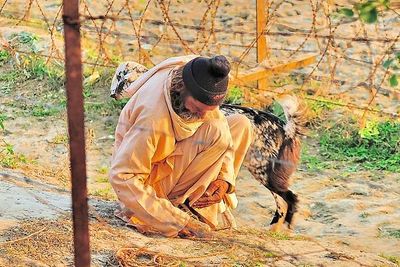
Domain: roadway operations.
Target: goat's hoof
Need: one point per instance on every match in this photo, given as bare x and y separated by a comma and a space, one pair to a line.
276, 227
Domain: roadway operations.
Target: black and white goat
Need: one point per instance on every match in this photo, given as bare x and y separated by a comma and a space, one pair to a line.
274, 153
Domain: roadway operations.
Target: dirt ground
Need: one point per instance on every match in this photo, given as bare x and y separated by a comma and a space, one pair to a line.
36, 230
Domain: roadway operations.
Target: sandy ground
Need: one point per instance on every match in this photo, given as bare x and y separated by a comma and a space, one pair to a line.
35, 217
356, 211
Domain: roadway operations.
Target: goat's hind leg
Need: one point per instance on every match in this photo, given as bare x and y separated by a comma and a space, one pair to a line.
280, 213
292, 201
286, 207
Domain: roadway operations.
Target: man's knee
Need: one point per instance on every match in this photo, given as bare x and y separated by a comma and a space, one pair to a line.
217, 131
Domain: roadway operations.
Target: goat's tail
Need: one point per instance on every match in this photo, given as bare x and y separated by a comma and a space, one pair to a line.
295, 113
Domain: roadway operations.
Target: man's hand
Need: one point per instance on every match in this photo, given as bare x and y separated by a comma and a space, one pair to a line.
214, 194
195, 228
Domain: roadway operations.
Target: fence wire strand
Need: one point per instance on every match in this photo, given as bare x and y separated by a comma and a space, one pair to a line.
110, 37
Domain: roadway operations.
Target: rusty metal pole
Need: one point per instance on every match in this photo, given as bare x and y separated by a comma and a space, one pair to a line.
76, 130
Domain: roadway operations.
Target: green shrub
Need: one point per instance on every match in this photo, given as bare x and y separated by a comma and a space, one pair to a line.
2, 119
393, 233
35, 67
311, 162
8, 157
235, 96
25, 39
31, 64
4, 56
10, 76
377, 146
318, 108
42, 110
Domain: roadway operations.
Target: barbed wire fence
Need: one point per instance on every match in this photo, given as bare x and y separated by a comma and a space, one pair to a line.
150, 31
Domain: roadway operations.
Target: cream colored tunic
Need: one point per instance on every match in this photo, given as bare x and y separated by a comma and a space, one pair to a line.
159, 160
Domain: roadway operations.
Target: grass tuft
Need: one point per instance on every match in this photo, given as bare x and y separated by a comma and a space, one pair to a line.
4, 56
394, 259
389, 232
375, 147
9, 158
104, 193
41, 110
318, 110
234, 96
3, 118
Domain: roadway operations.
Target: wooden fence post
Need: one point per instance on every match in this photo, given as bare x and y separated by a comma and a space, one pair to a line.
262, 50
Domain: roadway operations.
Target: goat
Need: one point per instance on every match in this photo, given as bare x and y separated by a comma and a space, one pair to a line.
274, 153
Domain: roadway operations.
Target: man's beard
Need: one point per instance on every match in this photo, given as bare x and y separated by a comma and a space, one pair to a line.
178, 105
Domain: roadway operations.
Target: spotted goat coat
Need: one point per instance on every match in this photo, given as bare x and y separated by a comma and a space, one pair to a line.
275, 151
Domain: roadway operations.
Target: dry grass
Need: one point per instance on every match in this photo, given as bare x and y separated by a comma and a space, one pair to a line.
49, 242
44, 241
38, 241
49, 174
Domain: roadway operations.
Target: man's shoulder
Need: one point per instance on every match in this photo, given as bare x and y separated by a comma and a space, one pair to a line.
215, 114
145, 112
148, 100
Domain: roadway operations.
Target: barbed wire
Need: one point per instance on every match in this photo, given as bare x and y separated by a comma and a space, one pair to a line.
50, 28
293, 31
213, 11
206, 29
26, 13
326, 101
385, 74
138, 30
3, 5
334, 103
168, 21
261, 34
312, 30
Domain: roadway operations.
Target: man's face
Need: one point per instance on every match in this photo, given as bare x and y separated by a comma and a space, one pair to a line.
197, 108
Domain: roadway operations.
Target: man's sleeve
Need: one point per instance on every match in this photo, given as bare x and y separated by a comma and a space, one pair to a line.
130, 168
227, 171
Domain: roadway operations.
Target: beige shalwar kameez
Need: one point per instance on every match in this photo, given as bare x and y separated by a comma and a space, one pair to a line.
160, 160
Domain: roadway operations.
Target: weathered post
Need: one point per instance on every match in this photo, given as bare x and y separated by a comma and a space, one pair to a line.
76, 130
262, 51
